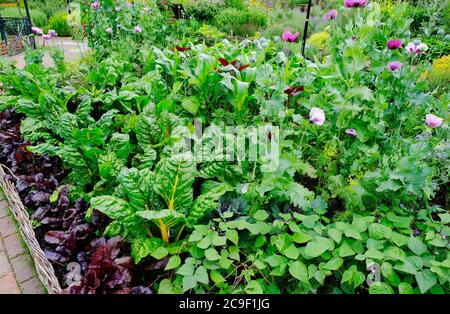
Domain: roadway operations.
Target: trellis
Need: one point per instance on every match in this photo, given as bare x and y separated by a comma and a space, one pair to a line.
15, 33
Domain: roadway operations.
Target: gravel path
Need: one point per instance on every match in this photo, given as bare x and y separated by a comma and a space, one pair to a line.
73, 50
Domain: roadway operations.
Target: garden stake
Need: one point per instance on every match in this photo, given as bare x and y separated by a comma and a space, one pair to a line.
305, 31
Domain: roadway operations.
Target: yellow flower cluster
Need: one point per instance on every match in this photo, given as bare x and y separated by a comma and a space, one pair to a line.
319, 39
441, 69
440, 72
352, 182
387, 5
330, 150
259, 4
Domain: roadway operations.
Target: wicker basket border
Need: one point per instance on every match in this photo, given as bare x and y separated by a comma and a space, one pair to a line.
44, 268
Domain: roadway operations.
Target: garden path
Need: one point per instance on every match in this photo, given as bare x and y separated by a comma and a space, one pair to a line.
73, 50
17, 272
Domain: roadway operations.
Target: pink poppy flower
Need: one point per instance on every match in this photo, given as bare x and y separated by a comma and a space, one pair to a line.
46, 37
411, 48
37, 30
289, 37
394, 65
317, 116
137, 29
354, 3
331, 15
394, 44
433, 121
95, 5
351, 132
52, 33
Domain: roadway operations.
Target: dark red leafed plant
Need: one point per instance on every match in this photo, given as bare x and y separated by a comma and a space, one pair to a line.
294, 91
64, 234
240, 67
182, 49
105, 270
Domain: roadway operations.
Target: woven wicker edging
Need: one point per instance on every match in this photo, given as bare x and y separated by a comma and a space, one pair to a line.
44, 268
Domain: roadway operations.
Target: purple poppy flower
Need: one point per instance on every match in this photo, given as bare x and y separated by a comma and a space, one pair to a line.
46, 37
394, 65
289, 37
351, 132
317, 116
331, 15
412, 48
394, 44
95, 5
118, 9
433, 121
109, 30
52, 33
37, 30
137, 29
354, 3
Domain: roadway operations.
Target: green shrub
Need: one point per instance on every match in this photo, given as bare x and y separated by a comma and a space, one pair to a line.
237, 4
37, 17
296, 3
202, 10
241, 22
49, 7
257, 17
293, 20
58, 22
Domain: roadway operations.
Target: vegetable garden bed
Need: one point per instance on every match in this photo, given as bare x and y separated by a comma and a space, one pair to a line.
118, 159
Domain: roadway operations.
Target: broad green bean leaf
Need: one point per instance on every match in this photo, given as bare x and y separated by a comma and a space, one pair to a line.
416, 245
233, 236
405, 288
165, 287
187, 269
201, 275
174, 262
345, 250
301, 237
317, 247
389, 274
160, 252
380, 288
292, 252
335, 234
299, 271
211, 254
334, 264
216, 276
425, 279
261, 215
189, 282
191, 105
253, 287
